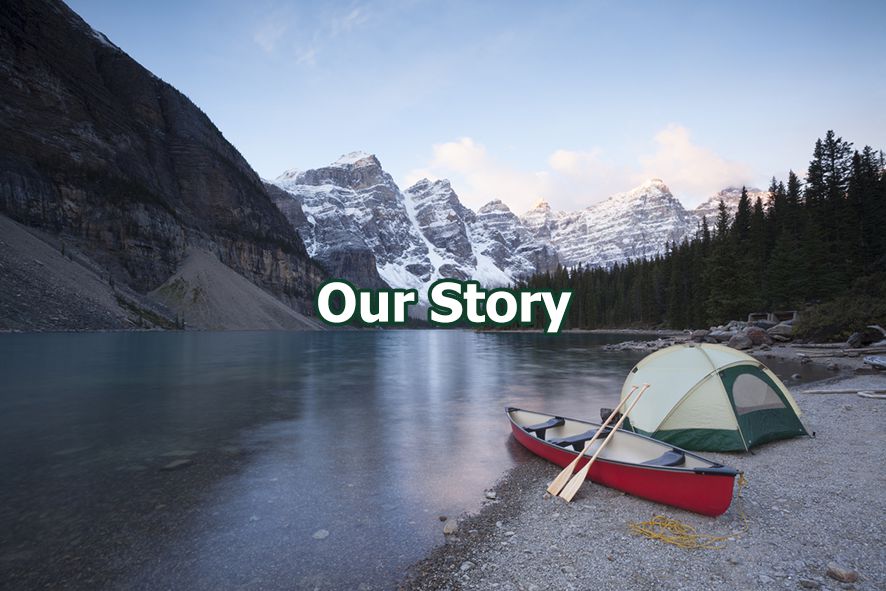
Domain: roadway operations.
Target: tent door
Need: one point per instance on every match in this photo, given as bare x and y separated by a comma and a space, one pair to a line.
761, 409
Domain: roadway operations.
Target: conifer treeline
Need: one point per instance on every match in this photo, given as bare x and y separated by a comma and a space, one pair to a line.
812, 242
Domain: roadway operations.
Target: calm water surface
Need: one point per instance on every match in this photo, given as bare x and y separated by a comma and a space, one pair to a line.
369, 435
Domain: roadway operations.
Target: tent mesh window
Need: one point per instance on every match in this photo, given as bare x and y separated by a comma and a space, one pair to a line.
762, 411
750, 393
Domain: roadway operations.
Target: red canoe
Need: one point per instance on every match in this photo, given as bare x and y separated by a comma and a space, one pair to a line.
632, 463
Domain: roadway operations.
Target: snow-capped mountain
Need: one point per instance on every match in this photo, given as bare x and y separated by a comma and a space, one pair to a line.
351, 215
710, 208
635, 224
355, 220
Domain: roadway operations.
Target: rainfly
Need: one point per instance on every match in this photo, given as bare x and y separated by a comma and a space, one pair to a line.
712, 398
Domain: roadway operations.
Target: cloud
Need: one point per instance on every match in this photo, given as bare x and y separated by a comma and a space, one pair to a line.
574, 179
690, 170
269, 34
351, 20
574, 163
306, 57
478, 178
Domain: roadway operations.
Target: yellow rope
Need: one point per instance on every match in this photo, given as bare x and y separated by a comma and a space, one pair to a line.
683, 535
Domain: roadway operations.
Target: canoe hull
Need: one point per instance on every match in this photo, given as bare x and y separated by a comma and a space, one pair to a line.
707, 494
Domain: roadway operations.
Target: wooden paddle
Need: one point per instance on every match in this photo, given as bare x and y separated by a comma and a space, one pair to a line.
562, 478
572, 487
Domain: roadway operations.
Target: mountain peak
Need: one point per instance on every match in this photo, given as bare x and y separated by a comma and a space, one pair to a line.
426, 183
542, 204
356, 159
654, 183
652, 188
494, 206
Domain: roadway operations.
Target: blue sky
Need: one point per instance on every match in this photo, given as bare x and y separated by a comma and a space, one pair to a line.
568, 101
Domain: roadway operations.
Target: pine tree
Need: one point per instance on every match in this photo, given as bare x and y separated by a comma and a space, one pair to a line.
741, 226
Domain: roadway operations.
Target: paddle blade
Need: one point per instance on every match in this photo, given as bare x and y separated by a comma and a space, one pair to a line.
562, 478
574, 484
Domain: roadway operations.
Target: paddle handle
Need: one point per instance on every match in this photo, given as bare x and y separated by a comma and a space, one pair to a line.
617, 425
605, 424
575, 483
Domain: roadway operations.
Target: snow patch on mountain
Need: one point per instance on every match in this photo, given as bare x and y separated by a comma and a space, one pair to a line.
416, 236
355, 158
634, 224
730, 197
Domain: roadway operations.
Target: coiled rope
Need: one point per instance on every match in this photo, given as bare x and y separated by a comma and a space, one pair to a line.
675, 532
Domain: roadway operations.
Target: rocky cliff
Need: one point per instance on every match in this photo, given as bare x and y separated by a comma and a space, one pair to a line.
354, 219
95, 148
630, 225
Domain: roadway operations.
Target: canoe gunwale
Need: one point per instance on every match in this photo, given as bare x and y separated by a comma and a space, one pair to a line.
715, 469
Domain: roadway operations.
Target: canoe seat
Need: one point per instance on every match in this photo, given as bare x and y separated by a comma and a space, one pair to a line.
577, 441
540, 428
671, 457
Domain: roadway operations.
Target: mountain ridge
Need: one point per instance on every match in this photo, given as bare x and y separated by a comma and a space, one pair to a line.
354, 210
448, 239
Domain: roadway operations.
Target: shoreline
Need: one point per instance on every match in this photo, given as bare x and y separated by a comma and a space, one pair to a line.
803, 514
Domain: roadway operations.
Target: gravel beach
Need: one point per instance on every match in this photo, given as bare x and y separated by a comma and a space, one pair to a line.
810, 505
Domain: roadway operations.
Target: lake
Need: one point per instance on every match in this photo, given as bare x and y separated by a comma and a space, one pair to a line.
203, 460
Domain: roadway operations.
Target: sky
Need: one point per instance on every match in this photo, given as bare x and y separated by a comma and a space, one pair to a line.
521, 101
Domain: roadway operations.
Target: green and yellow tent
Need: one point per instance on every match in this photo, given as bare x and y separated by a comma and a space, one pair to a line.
711, 398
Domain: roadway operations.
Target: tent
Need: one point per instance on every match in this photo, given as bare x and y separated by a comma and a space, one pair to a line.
711, 398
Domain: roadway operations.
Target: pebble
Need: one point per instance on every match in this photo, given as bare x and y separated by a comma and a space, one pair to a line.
509, 533
442, 518
466, 566
809, 584
451, 528
320, 534
840, 573
490, 494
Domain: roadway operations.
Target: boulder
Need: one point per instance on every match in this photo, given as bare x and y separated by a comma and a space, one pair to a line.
783, 330
864, 338
721, 336
698, 336
740, 341
757, 335
876, 361
764, 324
